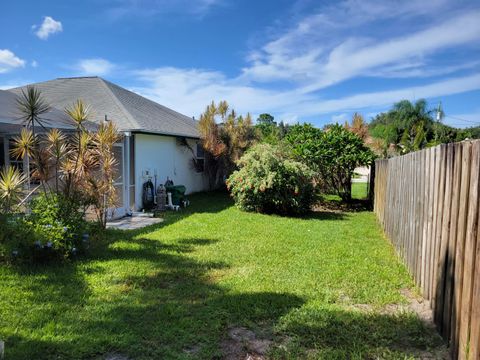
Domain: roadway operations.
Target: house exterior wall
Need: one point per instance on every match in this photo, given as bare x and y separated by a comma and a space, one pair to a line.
161, 155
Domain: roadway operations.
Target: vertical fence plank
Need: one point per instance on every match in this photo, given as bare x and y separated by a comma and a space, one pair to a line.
460, 249
475, 316
441, 170
465, 341
431, 183
452, 237
442, 257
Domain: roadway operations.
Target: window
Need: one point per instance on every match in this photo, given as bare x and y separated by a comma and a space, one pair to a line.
200, 151
200, 158
14, 161
2, 152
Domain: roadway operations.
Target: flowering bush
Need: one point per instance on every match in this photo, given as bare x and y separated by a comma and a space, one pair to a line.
54, 228
269, 181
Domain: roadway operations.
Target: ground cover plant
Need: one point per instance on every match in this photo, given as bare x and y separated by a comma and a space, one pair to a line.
311, 287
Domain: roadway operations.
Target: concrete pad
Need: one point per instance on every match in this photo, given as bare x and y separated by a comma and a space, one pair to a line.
133, 222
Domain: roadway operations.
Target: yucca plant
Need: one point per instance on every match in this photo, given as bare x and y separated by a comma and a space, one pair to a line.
56, 145
102, 189
26, 147
79, 112
81, 160
11, 188
32, 107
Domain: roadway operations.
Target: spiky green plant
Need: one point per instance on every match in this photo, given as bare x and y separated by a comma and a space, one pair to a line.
24, 144
79, 112
11, 187
75, 168
102, 189
32, 107
56, 145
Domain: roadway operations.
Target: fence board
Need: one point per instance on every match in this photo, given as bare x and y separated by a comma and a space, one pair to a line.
428, 205
460, 250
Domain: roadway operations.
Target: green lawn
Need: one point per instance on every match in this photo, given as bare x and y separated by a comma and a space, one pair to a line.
360, 190
173, 290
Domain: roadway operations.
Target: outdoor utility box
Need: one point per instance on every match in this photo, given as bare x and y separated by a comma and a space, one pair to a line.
178, 193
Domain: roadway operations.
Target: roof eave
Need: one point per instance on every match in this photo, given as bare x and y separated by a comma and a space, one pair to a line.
160, 133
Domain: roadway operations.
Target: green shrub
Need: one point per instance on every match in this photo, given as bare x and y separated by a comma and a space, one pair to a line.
269, 181
333, 154
16, 237
54, 229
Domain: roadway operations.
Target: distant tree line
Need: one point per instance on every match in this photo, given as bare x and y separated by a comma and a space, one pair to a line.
413, 126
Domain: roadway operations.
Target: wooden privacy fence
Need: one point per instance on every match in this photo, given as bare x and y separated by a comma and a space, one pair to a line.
428, 204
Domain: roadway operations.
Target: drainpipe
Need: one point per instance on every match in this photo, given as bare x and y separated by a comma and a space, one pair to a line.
126, 184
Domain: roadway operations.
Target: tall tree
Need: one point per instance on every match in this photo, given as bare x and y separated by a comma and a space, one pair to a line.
411, 126
225, 137
333, 154
358, 126
266, 119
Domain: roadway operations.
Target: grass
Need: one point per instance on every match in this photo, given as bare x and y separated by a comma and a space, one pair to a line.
359, 190
172, 290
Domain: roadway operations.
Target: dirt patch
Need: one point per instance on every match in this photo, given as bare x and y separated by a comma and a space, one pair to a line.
244, 344
421, 308
116, 357
340, 206
192, 350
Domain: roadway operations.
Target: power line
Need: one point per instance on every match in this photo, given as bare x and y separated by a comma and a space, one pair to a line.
460, 119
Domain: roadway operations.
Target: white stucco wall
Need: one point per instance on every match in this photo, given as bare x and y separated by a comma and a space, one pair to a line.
163, 155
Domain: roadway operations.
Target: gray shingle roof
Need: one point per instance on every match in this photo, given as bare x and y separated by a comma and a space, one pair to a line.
129, 111
11, 119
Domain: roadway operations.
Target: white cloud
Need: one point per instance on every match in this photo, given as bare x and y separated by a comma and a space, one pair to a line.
190, 90
34, 63
340, 118
9, 61
337, 43
387, 98
351, 59
96, 66
48, 27
149, 8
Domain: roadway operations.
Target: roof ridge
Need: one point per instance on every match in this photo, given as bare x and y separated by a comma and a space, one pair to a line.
118, 102
154, 103
31, 84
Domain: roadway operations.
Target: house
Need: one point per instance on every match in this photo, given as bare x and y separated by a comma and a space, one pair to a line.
157, 142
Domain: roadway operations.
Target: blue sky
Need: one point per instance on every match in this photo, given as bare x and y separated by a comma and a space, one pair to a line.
315, 61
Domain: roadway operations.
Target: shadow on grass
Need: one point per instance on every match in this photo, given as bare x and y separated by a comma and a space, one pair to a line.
146, 299
200, 203
340, 334
103, 305
340, 206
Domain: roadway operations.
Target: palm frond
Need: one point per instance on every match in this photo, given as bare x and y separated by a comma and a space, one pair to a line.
79, 112
32, 105
24, 144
